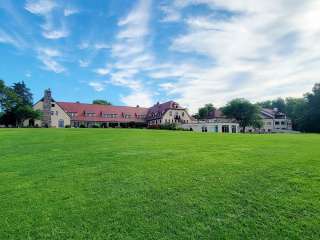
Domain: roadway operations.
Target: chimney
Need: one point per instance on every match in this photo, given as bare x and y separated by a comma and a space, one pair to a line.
46, 118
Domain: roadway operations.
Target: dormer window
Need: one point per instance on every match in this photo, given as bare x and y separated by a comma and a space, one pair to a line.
90, 114
72, 114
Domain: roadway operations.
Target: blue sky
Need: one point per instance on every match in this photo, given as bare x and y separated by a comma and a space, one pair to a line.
140, 52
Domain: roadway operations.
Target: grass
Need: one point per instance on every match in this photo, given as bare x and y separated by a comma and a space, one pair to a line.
144, 184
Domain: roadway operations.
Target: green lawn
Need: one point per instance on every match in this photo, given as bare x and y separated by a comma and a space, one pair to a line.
144, 184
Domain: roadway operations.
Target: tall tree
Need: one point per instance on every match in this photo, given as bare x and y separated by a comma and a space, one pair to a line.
278, 103
2, 93
246, 113
23, 93
101, 102
205, 111
313, 109
17, 105
296, 111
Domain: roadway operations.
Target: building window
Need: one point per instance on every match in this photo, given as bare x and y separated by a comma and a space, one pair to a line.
182, 114
72, 114
170, 113
283, 123
204, 129
277, 123
90, 114
52, 113
61, 123
57, 113
52, 105
225, 128
234, 128
216, 128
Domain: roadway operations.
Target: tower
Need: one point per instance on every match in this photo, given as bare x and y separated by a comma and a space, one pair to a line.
46, 117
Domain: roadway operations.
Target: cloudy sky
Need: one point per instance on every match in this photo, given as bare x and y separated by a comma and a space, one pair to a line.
140, 52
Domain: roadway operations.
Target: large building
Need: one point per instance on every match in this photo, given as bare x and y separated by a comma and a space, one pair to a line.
216, 122
273, 121
62, 114
75, 114
165, 113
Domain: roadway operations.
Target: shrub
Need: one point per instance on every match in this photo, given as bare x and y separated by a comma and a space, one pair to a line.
167, 126
67, 126
95, 126
82, 126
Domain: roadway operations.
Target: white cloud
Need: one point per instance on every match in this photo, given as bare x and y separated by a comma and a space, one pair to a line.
48, 58
83, 45
84, 63
12, 39
49, 52
101, 46
102, 71
97, 86
171, 14
70, 11
131, 53
56, 34
28, 75
264, 49
53, 27
138, 98
40, 7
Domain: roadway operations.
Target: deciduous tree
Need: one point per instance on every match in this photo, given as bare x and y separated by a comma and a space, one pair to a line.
101, 102
246, 113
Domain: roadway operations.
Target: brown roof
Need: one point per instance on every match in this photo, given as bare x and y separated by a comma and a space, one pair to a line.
217, 113
272, 113
98, 112
158, 110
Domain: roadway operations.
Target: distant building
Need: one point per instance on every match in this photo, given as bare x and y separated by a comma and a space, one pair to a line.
75, 114
216, 122
273, 121
167, 113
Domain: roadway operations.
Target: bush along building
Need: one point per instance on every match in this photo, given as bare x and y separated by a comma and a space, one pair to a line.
74, 114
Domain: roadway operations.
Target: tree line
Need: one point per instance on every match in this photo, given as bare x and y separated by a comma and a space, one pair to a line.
16, 104
304, 112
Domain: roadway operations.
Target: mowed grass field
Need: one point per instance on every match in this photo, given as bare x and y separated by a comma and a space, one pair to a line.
145, 184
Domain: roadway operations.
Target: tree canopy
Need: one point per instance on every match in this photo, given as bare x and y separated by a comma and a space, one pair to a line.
278, 103
312, 115
246, 113
101, 102
205, 111
16, 104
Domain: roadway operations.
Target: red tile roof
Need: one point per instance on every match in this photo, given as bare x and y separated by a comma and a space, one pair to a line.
137, 114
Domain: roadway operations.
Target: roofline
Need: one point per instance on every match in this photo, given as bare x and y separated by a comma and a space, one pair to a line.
103, 105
